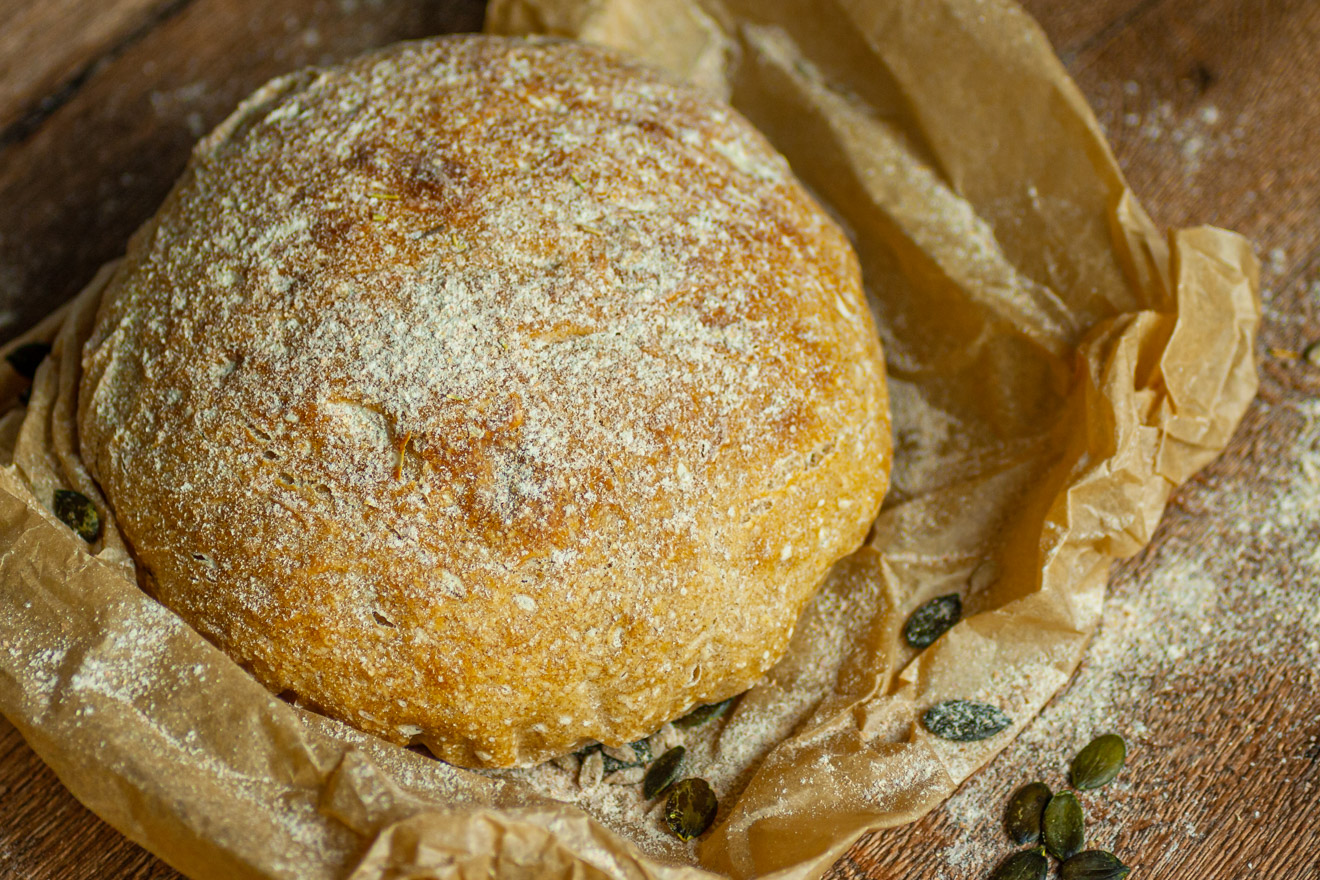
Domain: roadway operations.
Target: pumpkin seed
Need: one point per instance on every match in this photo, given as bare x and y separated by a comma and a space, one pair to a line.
1099, 762
663, 772
702, 714
1025, 808
1312, 353
965, 720
27, 357
77, 512
1028, 865
1064, 826
932, 620
691, 807
1094, 864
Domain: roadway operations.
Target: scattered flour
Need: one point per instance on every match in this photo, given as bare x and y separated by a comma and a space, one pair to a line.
1201, 137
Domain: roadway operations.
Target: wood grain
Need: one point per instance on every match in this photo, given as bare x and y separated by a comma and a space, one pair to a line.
45, 834
1073, 26
1210, 106
46, 49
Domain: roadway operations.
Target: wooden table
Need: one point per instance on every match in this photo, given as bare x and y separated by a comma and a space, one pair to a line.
1209, 656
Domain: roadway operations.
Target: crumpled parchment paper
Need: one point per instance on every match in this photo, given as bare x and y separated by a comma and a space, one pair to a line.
1057, 367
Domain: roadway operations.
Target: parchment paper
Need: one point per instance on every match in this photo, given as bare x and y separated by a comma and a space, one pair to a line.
1057, 367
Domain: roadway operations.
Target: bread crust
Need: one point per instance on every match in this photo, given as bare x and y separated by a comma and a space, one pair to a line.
497, 394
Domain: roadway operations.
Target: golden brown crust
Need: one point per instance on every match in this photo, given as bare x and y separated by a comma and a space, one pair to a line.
496, 394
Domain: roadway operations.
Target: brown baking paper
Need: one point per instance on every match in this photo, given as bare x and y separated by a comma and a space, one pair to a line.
1057, 367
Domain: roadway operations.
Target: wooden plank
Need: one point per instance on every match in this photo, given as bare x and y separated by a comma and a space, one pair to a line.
44, 46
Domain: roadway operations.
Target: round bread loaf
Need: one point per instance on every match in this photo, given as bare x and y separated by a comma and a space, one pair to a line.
495, 394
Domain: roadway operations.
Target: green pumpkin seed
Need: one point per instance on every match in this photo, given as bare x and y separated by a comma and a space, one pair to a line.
702, 714
662, 773
1028, 865
27, 357
1025, 809
1099, 762
964, 720
691, 807
932, 620
77, 512
1094, 864
1064, 826
1312, 353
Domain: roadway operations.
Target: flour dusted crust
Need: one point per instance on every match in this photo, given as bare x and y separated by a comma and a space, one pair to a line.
496, 394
